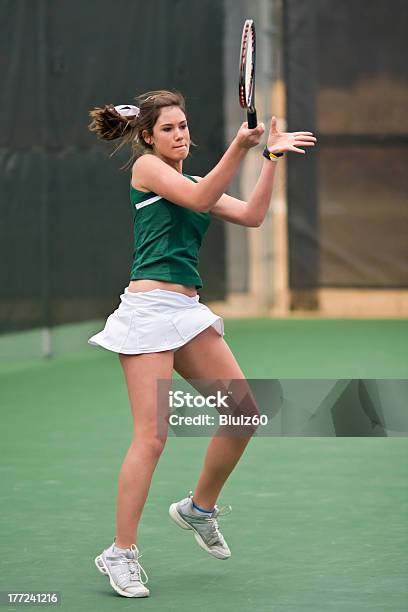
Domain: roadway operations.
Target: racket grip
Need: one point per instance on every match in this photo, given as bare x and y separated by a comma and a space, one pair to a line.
252, 119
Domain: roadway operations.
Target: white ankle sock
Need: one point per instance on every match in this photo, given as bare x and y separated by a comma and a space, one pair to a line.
200, 511
117, 549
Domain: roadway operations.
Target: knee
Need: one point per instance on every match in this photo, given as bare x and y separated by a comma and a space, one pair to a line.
151, 446
248, 414
247, 408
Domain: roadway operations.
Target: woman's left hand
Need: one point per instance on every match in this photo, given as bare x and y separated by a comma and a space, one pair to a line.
280, 142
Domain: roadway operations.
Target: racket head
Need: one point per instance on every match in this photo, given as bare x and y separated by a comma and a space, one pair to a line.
247, 66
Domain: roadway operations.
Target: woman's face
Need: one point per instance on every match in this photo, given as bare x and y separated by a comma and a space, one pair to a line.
171, 138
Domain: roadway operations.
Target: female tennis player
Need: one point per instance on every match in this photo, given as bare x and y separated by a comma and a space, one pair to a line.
160, 323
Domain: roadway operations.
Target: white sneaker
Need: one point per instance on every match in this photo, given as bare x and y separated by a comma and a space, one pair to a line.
205, 528
123, 570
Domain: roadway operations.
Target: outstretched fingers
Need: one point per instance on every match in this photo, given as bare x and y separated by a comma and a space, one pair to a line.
305, 137
304, 143
293, 148
302, 139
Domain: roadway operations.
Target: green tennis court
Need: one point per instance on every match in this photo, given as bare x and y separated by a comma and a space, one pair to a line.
305, 258
317, 523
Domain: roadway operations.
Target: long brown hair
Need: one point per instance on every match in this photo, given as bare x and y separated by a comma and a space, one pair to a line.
110, 125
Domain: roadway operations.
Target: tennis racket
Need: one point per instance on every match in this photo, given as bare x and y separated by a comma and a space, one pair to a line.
247, 72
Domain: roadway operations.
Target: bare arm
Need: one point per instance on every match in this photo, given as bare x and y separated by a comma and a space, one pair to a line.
158, 177
253, 212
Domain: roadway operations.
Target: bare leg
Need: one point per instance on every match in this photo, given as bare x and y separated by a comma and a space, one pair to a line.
221, 457
208, 357
141, 374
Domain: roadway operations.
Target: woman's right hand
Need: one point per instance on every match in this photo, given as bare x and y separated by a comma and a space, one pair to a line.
246, 138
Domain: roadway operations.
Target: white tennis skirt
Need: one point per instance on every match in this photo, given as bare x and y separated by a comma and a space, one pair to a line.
153, 321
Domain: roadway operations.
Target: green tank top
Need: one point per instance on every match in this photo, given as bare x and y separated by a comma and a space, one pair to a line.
167, 239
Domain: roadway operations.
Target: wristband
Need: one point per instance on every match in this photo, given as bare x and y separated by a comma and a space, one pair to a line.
271, 156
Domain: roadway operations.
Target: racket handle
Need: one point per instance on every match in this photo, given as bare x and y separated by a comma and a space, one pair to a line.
252, 120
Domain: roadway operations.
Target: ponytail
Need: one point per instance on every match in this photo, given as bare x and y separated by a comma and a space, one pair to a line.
128, 122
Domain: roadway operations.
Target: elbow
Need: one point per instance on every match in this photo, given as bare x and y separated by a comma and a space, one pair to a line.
254, 223
203, 206
202, 202
200, 208
197, 201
